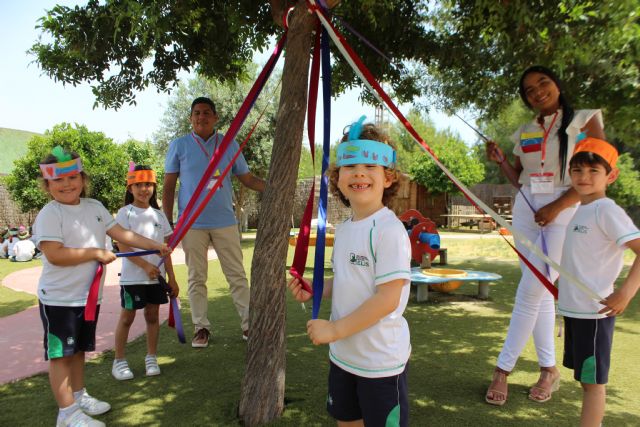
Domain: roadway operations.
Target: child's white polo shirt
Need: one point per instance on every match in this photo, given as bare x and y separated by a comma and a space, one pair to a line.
368, 253
593, 252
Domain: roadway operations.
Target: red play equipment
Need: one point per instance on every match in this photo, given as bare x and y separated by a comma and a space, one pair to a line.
423, 234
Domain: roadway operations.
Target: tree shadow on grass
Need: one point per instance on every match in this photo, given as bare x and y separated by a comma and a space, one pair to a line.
455, 345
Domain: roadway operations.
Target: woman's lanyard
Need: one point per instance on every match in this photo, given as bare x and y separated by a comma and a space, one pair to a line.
202, 147
543, 151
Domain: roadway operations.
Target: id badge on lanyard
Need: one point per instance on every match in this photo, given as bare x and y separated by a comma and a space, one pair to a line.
542, 183
213, 179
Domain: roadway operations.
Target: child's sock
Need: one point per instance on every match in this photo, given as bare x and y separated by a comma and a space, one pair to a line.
78, 394
64, 413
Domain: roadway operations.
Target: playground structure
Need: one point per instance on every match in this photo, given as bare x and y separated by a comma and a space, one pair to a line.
425, 247
425, 240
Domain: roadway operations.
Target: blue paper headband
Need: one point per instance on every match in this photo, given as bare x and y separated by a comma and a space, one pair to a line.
356, 151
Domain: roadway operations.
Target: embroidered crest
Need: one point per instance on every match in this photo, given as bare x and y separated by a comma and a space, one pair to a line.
360, 260
582, 229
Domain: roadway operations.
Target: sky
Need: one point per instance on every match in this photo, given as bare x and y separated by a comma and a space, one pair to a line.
31, 101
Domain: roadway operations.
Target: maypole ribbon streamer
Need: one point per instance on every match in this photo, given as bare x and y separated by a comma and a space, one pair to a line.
367, 78
302, 242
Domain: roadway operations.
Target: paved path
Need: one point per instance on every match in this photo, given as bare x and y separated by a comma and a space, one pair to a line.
21, 351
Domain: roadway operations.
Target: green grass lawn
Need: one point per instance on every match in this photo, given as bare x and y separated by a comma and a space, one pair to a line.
12, 302
456, 339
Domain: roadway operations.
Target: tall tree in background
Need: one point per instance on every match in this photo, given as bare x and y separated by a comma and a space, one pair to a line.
218, 39
450, 149
594, 46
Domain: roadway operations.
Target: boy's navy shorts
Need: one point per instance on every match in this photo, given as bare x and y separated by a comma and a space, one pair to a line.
377, 401
587, 348
66, 332
135, 297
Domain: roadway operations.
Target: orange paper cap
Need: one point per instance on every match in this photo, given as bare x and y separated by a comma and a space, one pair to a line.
600, 147
133, 177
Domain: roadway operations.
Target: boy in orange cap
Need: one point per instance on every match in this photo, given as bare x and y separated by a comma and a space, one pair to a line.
596, 238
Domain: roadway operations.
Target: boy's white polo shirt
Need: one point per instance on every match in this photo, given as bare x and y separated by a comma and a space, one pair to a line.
593, 252
368, 253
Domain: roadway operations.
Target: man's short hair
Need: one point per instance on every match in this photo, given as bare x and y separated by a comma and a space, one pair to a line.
203, 100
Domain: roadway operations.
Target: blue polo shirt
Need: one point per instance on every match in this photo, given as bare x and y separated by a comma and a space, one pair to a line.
189, 156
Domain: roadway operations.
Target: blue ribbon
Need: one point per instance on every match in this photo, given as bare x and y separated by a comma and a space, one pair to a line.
318, 268
136, 253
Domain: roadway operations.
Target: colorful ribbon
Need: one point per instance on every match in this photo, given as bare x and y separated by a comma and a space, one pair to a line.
369, 81
302, 242
189, 215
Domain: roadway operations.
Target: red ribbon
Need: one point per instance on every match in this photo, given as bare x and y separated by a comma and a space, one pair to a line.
92, 298
302, 243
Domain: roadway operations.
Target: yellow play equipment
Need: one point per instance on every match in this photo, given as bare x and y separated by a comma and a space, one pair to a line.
448, 286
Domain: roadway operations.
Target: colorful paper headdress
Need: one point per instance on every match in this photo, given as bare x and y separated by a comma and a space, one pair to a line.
600, 147
134, 176
65, 166
356, 151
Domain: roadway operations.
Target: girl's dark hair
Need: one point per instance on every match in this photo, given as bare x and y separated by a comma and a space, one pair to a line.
50, 159
590, 159
153, 201
567, 110
372, 132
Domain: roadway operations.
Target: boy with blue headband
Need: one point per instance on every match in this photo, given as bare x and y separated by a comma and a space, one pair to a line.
368, 337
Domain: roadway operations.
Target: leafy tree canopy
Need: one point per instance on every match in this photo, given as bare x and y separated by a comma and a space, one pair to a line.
450, 149
593, 45
108, 43
104, 161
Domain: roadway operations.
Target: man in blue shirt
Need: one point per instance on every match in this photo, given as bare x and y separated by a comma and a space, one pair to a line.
187, 158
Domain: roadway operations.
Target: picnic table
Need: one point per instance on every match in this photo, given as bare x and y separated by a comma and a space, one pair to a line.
422, 282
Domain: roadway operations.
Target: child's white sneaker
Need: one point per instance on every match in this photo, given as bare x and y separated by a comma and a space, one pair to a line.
151, 365
92, 406
79, 419
120, 370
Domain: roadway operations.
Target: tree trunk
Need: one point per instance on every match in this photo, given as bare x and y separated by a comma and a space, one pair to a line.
262, 396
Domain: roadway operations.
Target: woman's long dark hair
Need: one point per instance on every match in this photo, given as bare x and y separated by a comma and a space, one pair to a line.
567, 110
153, 201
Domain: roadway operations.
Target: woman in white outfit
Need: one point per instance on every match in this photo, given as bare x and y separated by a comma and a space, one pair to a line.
542, 148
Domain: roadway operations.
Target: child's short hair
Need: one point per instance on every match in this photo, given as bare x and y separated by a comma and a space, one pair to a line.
374, 133
594, 151
52, 159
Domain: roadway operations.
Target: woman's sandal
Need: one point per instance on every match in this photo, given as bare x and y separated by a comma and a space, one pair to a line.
543, 394
499, 377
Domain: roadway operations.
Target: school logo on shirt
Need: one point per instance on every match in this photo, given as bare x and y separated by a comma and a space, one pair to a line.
360, 260
582, 229
70, 340
531, 141
99, 218
156, 225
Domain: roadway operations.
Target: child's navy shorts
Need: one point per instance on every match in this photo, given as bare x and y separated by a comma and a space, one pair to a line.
66, 332
587, 348
377, 401
135, 297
